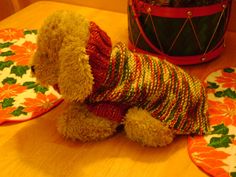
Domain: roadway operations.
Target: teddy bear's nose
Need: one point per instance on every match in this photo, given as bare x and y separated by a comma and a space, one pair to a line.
33, 69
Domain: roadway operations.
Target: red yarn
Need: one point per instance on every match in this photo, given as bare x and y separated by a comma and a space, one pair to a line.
99, 50
112, 111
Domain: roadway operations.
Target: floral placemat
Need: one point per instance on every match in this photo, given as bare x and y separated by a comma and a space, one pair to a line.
21, 98
216, 153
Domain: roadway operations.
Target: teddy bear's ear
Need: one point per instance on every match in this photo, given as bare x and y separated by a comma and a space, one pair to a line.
75, 79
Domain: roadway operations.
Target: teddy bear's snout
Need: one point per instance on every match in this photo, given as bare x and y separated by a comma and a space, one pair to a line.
55, 86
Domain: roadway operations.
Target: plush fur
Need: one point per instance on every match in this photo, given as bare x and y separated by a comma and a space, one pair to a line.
61, 60
77, 123
141, 127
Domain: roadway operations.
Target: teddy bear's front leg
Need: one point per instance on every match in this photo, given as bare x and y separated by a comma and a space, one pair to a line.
141, 127
77, 123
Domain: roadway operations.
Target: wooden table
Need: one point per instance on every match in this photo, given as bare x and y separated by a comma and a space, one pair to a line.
34, 148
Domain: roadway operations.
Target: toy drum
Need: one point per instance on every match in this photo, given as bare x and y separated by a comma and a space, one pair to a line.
183, 35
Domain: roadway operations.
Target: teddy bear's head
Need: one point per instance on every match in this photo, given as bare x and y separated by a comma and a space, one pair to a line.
62, 56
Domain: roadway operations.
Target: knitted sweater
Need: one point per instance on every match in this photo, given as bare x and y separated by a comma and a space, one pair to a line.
165, 90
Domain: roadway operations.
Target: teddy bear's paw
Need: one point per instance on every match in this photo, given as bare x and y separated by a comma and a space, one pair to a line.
141, 127
77, 123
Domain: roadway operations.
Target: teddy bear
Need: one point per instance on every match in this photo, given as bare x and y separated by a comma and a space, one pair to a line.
107, 86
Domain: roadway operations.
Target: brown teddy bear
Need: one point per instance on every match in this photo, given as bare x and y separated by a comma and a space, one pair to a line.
106, 86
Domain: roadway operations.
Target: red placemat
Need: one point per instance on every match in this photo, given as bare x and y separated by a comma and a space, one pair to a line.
21, 98
215, 153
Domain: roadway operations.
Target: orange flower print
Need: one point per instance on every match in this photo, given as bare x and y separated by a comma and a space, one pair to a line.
227, 79
222, 112
22, 53
207, 157
40, 104
10, 34
10, 90
6, 113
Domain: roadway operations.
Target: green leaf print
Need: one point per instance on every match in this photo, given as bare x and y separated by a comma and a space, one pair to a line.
6, 44
228, 92
5, 64
35, 31
212, 85
220, 129
219, 94
228, 70
7, 102
19, 111
37, 88
9, 80
233, 174
40, 89
19, 70
7, 53
30, 32
223, 141
30, 85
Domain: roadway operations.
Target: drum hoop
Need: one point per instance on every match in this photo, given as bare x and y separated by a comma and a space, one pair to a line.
157, 50
183, 60
180, 12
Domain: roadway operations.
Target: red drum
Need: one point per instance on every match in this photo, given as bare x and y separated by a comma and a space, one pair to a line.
182, 35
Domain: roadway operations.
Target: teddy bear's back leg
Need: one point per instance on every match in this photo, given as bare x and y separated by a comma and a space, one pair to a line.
77, 123
141, 127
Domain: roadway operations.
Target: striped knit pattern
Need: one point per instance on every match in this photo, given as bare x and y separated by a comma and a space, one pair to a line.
165, 90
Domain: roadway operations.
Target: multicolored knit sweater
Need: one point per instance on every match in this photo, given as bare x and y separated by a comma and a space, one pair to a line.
125, 79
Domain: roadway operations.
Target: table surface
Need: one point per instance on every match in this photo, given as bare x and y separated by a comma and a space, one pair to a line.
34, 148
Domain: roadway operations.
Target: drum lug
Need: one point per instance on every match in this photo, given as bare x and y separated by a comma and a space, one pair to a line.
203, 59
189, 13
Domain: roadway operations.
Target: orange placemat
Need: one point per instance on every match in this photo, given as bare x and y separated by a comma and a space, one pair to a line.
215, 153
21, 98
